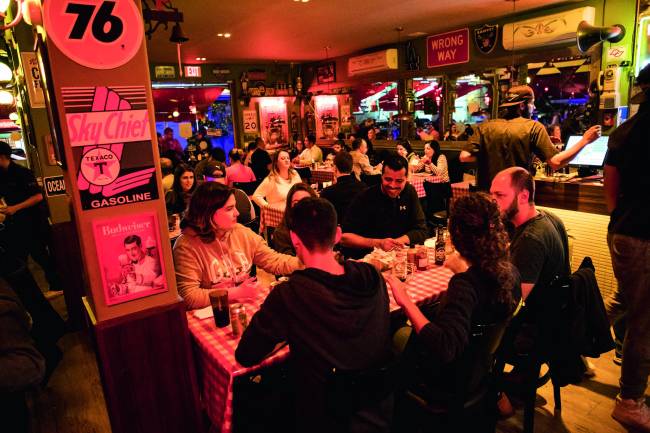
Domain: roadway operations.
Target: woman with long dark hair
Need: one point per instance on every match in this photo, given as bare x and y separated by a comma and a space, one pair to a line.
177, 199
433, 161
281, 239
214, 251
404, 148
484, 290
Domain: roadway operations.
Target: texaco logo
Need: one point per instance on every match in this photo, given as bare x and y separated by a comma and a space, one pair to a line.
100, 166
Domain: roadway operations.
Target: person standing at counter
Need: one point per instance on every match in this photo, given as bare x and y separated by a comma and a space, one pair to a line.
627, 182
513, 139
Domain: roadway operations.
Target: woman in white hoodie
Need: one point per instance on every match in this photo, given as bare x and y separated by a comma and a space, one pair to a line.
214, 251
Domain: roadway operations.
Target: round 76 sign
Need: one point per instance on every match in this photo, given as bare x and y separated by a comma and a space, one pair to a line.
98, 34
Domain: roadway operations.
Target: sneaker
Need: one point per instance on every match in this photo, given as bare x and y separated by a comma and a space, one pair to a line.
618, 358
632, 413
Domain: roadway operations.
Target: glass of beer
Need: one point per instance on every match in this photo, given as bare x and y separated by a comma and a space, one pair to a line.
220, 308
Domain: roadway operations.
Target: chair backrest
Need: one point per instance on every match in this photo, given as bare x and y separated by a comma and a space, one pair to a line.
371, 179
305, 174
248, 187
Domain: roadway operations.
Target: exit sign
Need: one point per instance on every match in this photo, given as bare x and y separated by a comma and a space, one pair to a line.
193, 71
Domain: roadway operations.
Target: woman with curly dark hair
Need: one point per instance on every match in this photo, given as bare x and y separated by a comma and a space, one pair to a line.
484, 290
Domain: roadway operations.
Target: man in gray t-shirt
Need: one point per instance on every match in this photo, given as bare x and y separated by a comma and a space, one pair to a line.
539, 245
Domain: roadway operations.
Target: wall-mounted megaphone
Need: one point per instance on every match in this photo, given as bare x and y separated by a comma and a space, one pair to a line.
588, 35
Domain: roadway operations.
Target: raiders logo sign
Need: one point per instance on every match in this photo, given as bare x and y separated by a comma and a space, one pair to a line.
485, 38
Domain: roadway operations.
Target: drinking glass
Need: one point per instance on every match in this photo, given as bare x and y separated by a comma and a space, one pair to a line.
220, 308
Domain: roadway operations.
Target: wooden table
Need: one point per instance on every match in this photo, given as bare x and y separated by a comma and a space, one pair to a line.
216, 346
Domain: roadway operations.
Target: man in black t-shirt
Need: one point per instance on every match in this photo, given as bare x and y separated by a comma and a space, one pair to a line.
260, 161
627, 192
386, 216
539, 244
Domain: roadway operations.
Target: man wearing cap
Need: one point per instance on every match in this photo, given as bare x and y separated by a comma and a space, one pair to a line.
627, 182
513, 139
25, 225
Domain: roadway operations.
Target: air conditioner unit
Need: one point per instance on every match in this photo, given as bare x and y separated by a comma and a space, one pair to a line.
374, 62
553, 29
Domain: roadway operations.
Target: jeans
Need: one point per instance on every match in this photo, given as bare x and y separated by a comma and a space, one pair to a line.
631, 263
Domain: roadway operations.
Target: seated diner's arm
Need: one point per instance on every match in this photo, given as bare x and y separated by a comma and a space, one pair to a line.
270, 260
259, 196
447, 334
353, 240
266, 331
188, 276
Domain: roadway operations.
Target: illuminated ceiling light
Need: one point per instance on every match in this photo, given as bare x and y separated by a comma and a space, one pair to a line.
175, 113
527, 80
4, 5
6, 74
226, 35
6, 98
13, 116
220, 35
201, 59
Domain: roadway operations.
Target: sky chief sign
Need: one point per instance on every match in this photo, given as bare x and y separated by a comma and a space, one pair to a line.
449, 48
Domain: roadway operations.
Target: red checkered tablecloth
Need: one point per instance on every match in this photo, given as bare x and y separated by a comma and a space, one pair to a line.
270, 216
321, 175
460, 189
417, 180
218, 368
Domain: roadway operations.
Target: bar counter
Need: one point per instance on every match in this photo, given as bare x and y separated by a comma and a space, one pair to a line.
581, 196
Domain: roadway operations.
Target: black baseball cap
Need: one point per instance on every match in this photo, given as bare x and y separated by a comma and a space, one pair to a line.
5, 149
517, 95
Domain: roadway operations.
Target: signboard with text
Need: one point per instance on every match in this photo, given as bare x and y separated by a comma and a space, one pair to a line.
449, 48
33, 79
249, 119
109, 132
54, 185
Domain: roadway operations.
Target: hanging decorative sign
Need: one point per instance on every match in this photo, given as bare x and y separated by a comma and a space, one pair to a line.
33, 79
128, 249
449, 48
97, 34
108, 129
485, 38
54, 185
164, 71
553, 29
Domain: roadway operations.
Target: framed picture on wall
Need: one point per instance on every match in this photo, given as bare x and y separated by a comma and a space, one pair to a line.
128, 251
326, 73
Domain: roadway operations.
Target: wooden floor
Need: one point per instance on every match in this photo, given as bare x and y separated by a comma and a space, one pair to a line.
73, 401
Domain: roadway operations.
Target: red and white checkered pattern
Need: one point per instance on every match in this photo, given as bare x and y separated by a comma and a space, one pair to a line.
216, 346
321, 175
417, 180
270, 216
460, 189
